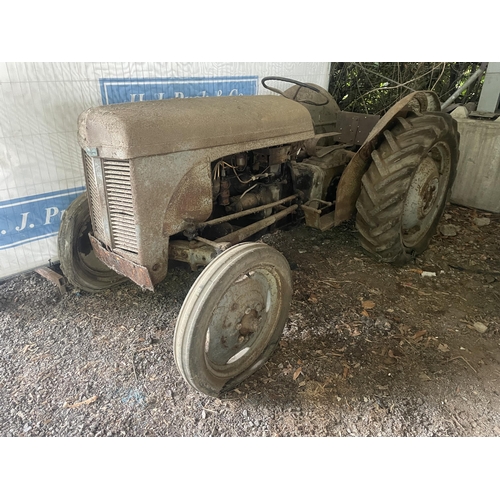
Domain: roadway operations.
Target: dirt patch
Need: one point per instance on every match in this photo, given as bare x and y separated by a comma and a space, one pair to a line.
368, 350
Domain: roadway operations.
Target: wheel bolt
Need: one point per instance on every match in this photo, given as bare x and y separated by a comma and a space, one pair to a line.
248, 311
241, 339
238, 326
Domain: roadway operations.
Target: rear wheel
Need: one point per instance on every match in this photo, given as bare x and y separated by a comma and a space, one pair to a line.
405, 189
78, 261
232, 318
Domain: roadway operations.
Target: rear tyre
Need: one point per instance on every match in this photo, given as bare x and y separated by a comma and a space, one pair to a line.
77, 259
405, 189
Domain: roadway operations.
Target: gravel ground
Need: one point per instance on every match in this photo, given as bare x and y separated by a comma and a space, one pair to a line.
368, 350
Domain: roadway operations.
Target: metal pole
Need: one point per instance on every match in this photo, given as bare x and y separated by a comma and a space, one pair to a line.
466, 85
245, 232
243, 213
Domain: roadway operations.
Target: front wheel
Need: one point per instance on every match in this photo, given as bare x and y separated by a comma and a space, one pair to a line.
405, 189
77, 259
232, 318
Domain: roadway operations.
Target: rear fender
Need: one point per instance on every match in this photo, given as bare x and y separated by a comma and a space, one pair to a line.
350, 182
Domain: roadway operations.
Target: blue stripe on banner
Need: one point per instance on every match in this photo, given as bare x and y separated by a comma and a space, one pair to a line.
119, 90
35, 217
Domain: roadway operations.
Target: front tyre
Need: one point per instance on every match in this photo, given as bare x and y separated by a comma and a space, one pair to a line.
233, 317
77, 259
405, 189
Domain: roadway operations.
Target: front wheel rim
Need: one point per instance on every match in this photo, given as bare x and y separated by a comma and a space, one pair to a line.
242, 323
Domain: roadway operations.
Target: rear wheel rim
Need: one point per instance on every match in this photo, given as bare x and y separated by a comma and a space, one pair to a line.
426, 194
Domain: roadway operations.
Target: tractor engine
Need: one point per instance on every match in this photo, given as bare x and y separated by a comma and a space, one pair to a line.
248, 180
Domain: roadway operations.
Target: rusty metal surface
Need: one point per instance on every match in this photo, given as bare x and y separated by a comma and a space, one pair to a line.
130, 130
190, 198
194, 253
313, 149
245, 232
313, 214
350, 182
58, 279
244, 213
318, 221
201, 252
219, 247
138, 274
354, 128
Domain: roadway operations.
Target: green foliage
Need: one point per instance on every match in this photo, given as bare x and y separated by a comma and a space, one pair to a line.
374, 87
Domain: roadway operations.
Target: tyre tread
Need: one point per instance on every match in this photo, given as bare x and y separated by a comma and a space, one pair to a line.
385, 183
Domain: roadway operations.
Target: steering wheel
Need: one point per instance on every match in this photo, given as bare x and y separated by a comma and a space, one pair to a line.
295, 82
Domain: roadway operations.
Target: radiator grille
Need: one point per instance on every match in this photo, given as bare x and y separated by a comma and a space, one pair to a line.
120, 204
93, 197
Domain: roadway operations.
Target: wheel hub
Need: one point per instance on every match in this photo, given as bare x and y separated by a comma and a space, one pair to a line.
238, 320
428, 195
249, 324
421, 195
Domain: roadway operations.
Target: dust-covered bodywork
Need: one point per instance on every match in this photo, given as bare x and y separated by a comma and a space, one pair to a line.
148, 168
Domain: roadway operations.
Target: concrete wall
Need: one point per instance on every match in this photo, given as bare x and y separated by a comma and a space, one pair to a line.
478, 177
